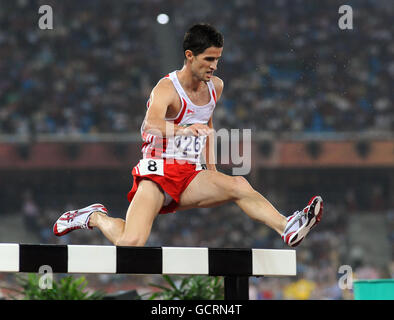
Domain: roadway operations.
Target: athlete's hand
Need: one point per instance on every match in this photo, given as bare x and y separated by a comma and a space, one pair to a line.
197, 129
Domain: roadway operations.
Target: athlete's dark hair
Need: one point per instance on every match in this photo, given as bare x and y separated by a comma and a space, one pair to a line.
200, 37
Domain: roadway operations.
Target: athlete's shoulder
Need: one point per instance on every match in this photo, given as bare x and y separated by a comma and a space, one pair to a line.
165, 82
165, 85
219, 85
217, 82
163, 93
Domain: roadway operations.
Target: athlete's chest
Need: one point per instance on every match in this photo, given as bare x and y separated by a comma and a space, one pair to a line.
196, 101
199, 97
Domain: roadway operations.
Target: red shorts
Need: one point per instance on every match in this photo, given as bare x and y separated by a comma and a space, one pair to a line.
172, 177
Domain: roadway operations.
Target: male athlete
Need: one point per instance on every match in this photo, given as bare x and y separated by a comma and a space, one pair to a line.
176, 131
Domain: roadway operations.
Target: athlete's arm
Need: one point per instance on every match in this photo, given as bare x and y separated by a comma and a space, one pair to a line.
209, 152
219, 85
162, 96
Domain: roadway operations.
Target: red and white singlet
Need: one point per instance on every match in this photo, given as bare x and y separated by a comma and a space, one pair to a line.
160, 155
187, 148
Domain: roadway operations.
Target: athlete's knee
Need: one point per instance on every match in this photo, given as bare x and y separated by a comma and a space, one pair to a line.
131, 241
240, 187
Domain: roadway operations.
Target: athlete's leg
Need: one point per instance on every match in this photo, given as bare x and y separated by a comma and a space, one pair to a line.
141, 213
211, 188
111, 228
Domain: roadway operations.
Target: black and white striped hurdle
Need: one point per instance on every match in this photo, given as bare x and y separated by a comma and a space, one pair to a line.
236, 265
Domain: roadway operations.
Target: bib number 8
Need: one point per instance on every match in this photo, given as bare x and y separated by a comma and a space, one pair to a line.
150, 166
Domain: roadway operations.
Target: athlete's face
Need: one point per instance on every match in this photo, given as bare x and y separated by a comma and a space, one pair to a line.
204, 64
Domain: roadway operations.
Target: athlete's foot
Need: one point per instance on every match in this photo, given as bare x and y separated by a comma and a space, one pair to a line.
77, 219
301, 222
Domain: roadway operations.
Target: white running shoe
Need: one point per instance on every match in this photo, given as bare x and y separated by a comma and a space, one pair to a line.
301, 222
76, 219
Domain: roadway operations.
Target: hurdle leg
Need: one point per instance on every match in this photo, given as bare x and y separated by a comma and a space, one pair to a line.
236, 288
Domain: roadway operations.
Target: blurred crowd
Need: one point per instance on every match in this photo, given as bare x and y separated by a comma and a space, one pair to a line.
287, 66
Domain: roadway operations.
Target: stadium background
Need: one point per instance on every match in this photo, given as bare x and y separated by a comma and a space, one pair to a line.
317, 99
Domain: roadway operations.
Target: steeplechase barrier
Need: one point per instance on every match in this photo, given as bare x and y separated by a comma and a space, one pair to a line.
235, 265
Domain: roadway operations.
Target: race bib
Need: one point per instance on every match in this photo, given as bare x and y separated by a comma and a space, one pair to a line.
189, 146
151, 166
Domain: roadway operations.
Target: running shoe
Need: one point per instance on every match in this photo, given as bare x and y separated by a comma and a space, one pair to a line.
301, 222
76, 219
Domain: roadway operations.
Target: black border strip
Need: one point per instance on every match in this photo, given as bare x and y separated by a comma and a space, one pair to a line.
223, 262
139, 260
33, 256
